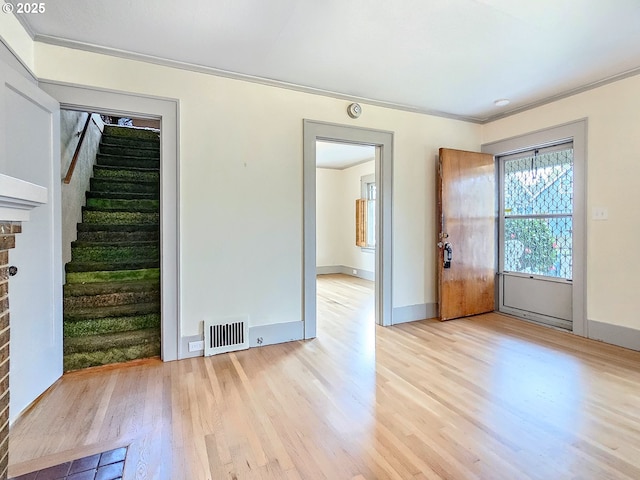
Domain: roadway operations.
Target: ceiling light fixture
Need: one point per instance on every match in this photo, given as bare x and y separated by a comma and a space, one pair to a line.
503, 102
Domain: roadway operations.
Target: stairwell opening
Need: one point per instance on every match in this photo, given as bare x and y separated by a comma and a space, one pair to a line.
111, 239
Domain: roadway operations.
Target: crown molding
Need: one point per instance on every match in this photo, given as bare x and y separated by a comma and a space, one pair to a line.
126, 54
568, 93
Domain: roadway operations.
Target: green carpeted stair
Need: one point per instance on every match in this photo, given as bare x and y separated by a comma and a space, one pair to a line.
112, 290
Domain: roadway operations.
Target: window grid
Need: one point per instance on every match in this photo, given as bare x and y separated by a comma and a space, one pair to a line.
538, 214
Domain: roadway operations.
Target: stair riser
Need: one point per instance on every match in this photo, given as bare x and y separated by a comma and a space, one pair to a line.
114, 276
94, 343
82, 289
115, 218
104, 236
114, 254
134, 133
128, 310
129, 205
131, 151
104, 185
100, 326
76, 361
133, 162
109, 300
129, 175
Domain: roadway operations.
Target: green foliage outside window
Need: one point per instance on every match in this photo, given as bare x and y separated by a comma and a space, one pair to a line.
530, 246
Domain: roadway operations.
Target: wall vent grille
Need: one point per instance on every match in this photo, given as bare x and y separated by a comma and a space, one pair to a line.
226, 337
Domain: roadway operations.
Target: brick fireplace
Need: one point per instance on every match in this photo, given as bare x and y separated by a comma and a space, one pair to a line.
8, 230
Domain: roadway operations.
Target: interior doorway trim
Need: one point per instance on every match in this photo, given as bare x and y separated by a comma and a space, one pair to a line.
383, 141
110, 102
577, 132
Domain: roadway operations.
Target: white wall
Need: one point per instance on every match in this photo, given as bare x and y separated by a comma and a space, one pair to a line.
330, 217
241, 213
14, 36
73, 194
613, 173
336, 194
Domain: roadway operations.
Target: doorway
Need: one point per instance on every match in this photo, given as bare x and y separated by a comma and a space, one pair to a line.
110, 232
541, 248
382, 143
118, 104
346, 232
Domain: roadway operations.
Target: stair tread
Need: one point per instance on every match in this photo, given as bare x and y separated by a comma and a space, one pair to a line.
129, 151
121, 180
128, 157
100, 288
97, 326
113, 275
123, 195
74, 266
131, 132
134, 243
133, 169
105, 341
148, 138
121, 227
128, 209
83, 313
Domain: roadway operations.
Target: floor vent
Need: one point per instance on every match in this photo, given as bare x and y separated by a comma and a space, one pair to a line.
226, 337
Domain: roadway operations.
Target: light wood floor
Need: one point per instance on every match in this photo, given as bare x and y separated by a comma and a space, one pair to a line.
486, 397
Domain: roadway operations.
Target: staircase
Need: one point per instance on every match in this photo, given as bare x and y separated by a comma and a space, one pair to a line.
112, 290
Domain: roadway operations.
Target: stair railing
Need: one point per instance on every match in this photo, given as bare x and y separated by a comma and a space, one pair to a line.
74, 160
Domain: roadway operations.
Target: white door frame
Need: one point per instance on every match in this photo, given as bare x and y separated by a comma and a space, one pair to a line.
577, 132
77, 97
383, 141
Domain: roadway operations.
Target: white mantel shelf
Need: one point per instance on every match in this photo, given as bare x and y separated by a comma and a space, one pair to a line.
18, 198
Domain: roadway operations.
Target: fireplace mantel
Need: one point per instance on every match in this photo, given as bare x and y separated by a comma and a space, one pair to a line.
18, 198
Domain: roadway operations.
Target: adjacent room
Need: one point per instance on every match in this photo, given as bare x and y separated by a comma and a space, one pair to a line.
331, 240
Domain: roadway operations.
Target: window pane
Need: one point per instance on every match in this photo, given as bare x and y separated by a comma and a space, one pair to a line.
539, 184
539, 246
371, 223
371, 191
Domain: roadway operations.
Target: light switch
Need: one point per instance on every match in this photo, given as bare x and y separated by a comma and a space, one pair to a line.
600, 213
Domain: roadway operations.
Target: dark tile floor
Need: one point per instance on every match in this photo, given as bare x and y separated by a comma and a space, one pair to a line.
101, 466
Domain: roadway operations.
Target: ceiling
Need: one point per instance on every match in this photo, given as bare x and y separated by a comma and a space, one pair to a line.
342, 155
453, 57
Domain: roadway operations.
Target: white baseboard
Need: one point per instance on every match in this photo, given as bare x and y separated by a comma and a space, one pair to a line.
259, 336
184, 344
262, 335
413, 313
333, 269
615, 334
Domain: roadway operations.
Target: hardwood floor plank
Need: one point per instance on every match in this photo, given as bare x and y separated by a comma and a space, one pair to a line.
487, 397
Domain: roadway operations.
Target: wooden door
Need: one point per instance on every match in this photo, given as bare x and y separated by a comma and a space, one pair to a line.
467, 212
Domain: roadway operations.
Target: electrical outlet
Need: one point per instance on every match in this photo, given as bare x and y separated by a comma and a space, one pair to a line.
355, 272
195, 346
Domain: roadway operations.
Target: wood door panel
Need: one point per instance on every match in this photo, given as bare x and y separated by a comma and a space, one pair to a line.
467, 211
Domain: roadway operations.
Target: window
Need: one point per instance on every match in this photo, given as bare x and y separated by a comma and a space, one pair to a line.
538, 212
366, 213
